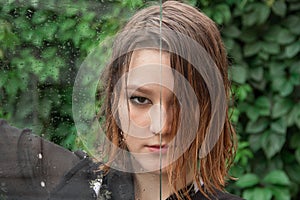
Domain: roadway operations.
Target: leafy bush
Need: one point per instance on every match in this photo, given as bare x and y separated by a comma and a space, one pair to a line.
43, 44
41, 48
263, 43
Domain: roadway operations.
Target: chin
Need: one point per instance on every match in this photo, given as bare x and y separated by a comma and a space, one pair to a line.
149, 164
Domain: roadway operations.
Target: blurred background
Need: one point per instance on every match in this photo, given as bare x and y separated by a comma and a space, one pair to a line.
43, 43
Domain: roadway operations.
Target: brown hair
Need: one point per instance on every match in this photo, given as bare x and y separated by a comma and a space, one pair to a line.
184, 20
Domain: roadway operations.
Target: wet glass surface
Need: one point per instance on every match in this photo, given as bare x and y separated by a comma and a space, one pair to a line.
43, 47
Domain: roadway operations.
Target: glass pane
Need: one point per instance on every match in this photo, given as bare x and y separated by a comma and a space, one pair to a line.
54, 57
113, 100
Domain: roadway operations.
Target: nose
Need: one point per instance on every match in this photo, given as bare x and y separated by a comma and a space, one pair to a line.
160, 119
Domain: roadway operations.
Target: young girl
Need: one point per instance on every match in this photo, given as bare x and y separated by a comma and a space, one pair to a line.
166, 108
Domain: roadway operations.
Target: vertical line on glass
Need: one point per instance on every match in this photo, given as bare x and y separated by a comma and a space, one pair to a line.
160, 101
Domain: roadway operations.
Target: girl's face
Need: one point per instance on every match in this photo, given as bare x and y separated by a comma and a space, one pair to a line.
145, 108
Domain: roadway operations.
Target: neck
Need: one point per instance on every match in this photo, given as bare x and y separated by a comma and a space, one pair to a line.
147, 186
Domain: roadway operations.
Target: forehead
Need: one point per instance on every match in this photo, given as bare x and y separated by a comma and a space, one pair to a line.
149, 56
148, 66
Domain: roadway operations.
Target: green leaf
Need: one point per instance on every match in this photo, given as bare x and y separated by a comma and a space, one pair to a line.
285, 36
2, 30
248, 35
297, 155
247, 180
286, 88
257, 13
263, 102
4, 77
229, 43
278, 82
67, 24
249, 194
295, 141
12, 89
72, 10
295, 73
271, 48
272, 143
295, 67
257, 126
243, 91
293, 116
272, 33
292, 23
49, 53
257, 73
263, 105
279, 126
249, 19
294, 172
89, 16
45, 108
224, 11
292, 50
27, 35
239, 74
294, 6
263, 12
231, 31
277, 177
84, 30
39, 17
218, 17
281, 107
279, 8
251, 49
263, 55
257, 193
262, 193
21, 24
132, 4
49, 30
255, 142
252, 113
280, 193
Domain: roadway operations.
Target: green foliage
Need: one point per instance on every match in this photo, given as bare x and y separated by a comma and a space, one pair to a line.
42, 46
263, 43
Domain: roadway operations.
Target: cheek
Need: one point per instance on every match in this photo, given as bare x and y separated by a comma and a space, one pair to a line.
139, 117
132, 143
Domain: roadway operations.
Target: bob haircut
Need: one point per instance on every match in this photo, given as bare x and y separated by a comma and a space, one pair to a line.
148, 29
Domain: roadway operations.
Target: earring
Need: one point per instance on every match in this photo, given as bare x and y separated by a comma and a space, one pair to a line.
122, 136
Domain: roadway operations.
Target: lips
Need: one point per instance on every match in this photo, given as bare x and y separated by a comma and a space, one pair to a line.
157, 148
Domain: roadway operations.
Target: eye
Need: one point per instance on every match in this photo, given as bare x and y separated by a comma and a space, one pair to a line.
140, 100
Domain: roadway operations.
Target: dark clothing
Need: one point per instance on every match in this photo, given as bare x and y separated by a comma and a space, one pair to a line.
32, 168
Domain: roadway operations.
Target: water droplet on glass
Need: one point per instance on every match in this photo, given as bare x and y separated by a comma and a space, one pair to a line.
43, 184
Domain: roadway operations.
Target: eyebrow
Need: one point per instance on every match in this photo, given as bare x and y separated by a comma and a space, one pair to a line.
142, 89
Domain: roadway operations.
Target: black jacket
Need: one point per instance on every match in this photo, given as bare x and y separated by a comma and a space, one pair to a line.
32, 168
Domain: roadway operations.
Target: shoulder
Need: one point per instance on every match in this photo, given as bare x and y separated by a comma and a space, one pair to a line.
227, 196
35, 168
219, 195
22, 152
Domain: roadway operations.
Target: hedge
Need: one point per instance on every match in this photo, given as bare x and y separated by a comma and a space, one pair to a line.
43, 44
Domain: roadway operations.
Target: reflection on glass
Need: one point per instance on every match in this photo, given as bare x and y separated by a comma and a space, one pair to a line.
149, 105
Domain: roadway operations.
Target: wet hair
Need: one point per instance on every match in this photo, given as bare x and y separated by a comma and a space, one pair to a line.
173, 32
